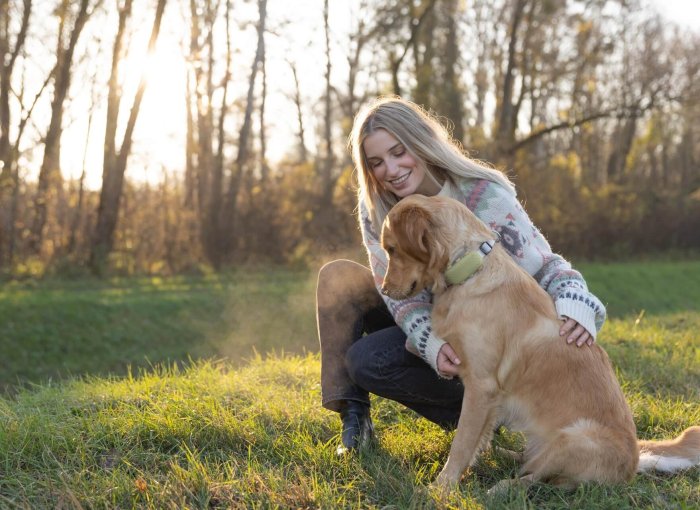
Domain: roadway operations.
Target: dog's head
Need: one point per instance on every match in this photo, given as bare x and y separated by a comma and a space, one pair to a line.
419, 235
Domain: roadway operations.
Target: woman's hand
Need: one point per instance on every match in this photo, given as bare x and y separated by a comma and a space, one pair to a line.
574, 333
447, 362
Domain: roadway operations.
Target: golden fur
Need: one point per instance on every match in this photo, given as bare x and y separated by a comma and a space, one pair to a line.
515, 367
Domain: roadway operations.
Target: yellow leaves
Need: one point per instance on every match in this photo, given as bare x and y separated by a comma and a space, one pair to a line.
591, 85
584, 27
140, 485
568, 160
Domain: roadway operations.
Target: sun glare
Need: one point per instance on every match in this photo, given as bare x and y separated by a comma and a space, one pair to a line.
160, 130
163, 116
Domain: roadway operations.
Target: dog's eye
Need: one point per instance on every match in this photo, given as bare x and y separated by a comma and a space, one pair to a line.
390, 250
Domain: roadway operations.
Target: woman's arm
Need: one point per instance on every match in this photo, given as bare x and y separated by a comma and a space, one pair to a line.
412, 315
528, 247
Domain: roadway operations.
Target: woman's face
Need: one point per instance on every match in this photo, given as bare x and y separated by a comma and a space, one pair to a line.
392, 165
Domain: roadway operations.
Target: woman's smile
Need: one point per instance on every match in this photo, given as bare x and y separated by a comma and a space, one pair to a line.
401, 179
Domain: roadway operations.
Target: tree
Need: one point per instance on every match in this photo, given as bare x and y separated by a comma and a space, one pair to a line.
8, 59
230, 206
9, 54
115, 160
50, 172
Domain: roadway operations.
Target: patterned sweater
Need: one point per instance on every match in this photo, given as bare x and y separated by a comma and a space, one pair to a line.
502, 212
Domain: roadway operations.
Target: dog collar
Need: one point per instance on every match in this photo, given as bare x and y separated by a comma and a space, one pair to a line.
466, 264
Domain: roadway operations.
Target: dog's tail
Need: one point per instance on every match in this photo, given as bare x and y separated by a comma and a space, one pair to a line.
672, 455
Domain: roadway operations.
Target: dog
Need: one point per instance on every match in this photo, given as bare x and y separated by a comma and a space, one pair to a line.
516, 369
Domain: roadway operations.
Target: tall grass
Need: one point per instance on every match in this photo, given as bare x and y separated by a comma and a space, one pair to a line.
232, 433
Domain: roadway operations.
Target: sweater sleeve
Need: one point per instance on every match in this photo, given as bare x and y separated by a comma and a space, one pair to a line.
412, 315
530, 250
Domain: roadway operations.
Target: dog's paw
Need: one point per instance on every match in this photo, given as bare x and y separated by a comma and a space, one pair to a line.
444, 484
439, 491
502, 488
505, 486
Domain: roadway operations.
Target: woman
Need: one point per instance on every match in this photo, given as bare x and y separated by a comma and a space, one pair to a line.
373, 344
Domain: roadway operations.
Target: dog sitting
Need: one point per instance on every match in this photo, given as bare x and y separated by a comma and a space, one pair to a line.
516, 369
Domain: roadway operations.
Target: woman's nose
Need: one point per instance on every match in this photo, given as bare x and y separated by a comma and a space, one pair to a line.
392, 167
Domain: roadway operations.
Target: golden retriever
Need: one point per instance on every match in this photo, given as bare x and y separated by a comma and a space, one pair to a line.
516, 369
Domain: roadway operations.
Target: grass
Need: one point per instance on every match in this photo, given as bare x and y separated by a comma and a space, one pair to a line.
58, 329
241, 430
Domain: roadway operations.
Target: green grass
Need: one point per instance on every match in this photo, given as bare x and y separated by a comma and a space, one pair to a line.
655, 287
57, 329
247, 431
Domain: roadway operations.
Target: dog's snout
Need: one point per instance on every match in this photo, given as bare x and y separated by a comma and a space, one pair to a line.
385, 291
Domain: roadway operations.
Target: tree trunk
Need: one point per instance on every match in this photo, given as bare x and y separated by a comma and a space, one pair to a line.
115, 166
621, 149
213, 227
415, 25
50, 172
425, 72
231, 204
505, 131
452, 99
303, 156
78, 213
326, 170
8, 57
264, 168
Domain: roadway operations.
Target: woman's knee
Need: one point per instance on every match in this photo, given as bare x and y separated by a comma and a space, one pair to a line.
339, 270
346, 282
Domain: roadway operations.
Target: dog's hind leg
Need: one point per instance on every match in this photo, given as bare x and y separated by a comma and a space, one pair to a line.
584, 452
474, 429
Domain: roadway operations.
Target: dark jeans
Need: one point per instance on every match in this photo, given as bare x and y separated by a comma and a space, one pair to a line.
363, 351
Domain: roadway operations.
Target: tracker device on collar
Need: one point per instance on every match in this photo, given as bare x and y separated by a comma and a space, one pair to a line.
465, 265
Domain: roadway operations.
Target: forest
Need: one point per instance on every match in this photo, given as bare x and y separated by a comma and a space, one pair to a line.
591, 107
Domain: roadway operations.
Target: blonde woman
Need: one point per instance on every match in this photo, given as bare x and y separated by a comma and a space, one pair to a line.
373, 344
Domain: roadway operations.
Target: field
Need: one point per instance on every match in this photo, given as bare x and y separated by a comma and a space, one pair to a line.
204, 393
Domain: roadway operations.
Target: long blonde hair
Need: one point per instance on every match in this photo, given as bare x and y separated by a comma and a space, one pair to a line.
424, 137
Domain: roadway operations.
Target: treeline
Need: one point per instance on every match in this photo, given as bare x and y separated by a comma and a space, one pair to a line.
591, 106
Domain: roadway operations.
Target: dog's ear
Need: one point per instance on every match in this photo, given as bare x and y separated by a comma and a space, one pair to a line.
413, 230
419, 235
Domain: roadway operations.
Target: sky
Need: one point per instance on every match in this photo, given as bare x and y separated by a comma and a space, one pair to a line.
684, 12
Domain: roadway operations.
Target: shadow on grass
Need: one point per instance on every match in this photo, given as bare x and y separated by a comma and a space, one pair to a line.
56, 330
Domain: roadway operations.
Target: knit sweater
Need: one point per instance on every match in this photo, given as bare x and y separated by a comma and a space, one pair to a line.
500, 211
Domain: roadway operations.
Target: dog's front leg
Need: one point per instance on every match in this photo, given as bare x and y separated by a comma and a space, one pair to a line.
473, 430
